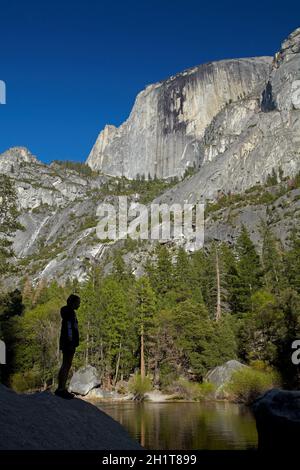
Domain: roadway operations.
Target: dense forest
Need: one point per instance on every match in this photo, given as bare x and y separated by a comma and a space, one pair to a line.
187, 314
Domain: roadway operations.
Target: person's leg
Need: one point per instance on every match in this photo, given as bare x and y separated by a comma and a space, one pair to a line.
65, 369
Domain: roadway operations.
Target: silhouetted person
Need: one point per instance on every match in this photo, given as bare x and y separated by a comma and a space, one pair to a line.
69, 340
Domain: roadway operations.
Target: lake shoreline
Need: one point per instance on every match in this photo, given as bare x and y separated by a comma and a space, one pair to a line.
157, 399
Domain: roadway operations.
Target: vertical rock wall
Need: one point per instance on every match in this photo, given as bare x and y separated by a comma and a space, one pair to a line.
163, 133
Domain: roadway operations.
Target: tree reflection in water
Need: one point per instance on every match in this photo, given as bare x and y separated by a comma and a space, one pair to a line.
186, 426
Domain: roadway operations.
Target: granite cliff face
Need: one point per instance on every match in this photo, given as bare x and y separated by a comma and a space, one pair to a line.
59, 238
57, 210
234, 121
236, 142
38, 184
250, 138
164, 132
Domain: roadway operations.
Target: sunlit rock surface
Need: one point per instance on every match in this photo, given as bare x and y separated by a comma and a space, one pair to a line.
250, 138
163, 133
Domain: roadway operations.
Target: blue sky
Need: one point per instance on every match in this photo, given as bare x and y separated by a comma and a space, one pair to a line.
71, 67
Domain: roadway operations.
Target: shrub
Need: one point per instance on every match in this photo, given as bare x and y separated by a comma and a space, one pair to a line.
121, 387
25, 381
205, 391
186, 390
190, 171
272, 179
249, 382
139, 386
167, 376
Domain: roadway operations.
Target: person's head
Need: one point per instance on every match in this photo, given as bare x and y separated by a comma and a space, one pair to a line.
73, 301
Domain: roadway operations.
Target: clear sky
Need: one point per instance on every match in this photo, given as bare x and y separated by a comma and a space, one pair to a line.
71, 67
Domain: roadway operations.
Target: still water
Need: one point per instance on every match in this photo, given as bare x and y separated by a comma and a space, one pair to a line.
186, 426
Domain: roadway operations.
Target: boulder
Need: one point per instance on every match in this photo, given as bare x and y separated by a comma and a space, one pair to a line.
84, 380
277, 415
221, 376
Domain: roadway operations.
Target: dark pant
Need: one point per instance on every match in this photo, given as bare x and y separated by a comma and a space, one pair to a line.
68, 355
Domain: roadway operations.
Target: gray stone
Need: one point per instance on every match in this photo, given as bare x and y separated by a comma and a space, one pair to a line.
295, 97
242, 145
42, 421
84, 380
163, 134
277, 415
220, 376
210, 116
99, 394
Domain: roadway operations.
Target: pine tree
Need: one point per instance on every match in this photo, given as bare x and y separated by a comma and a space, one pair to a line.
164, 356
113, 324
262, 329
161, 272
183, 278
40, 292
120, 271
198, 267
292, 261
249, 271
27, 293
230, 278
145, 308
213, 280
207, 277
87, 317
224, 341
192, 334
272, 259
218, 285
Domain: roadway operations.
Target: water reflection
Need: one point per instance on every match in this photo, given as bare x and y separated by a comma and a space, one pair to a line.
208, 426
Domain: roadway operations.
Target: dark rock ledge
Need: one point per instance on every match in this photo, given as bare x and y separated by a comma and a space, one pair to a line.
42, 421
277, 415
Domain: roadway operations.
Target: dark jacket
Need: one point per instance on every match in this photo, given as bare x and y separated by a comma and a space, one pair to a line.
69, 335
